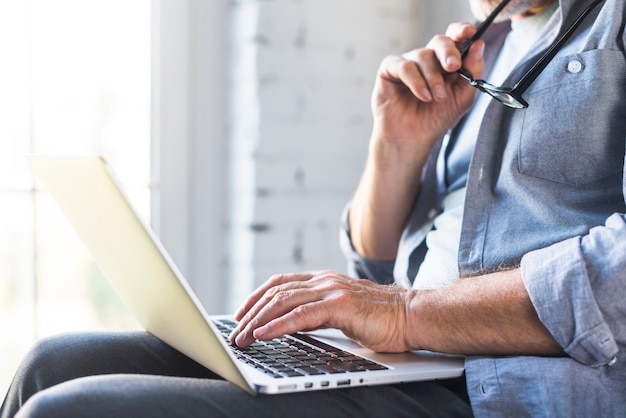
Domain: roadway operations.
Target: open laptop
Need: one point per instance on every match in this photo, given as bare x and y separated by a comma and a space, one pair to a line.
154, 290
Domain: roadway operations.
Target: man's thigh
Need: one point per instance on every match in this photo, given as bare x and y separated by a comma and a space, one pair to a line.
105, 374
160, 396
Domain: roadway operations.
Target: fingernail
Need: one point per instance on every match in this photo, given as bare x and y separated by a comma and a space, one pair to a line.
233, 335
260, 333
453, 61
426, 96
480, 51
440, 93
239, 340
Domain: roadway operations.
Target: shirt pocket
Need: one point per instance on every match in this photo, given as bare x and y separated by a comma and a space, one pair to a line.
574, 129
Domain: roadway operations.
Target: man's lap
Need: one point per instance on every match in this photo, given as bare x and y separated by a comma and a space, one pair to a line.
109, 374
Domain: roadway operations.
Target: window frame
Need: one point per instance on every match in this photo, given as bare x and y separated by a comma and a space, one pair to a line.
188, 141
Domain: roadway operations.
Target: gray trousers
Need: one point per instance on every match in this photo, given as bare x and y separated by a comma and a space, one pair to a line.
135, 374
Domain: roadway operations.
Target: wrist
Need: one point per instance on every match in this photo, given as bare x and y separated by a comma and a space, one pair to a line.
416, 315
399, 152
411, 141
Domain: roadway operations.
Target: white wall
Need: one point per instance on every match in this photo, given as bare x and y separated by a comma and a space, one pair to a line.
262, 127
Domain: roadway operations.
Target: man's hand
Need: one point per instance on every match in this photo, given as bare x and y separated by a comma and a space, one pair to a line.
419, 94
371, 314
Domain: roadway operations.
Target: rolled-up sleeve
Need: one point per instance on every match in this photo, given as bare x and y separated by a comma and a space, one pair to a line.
358, 266
577, 287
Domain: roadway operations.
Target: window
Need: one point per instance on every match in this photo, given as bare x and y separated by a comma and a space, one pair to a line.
75, 78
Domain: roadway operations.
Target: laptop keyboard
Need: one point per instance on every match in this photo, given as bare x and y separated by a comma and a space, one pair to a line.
296, 355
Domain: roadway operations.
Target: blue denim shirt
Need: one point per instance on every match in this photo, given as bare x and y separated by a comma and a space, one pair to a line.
546, 191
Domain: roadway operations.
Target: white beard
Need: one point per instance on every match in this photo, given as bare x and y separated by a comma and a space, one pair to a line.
482, 8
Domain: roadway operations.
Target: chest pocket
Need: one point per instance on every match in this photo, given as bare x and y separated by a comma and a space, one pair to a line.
575, 127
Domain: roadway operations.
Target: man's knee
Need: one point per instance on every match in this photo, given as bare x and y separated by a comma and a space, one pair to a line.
82, 397
50, 403
44, 366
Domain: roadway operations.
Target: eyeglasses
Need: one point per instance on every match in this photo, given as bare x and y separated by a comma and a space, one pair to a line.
512, 96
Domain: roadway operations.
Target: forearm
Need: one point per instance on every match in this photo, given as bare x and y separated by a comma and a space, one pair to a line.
385, 197
488, 315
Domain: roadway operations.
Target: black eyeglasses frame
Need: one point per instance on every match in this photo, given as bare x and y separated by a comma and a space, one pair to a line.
512, 96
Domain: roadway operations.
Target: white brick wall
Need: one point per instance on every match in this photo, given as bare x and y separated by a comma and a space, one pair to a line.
299, 124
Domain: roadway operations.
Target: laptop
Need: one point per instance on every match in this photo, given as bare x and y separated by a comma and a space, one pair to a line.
146, 279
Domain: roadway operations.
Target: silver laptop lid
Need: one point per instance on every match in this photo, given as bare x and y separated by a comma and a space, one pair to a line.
133, 260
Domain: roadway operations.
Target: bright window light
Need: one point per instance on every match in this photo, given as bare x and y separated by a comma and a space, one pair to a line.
74, 78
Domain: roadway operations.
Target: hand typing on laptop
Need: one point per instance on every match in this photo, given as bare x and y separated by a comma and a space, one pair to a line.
371, 314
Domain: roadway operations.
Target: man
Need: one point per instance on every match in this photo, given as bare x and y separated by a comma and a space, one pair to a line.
493, 232
542, 231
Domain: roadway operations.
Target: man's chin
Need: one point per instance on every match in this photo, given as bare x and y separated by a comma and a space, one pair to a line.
483, 8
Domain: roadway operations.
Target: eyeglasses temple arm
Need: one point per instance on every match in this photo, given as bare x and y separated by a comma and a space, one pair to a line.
482, 28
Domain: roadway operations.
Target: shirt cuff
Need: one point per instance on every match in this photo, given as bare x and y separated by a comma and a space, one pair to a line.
557, 281
358, 266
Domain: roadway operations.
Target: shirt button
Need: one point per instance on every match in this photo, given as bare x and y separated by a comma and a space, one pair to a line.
574, 67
